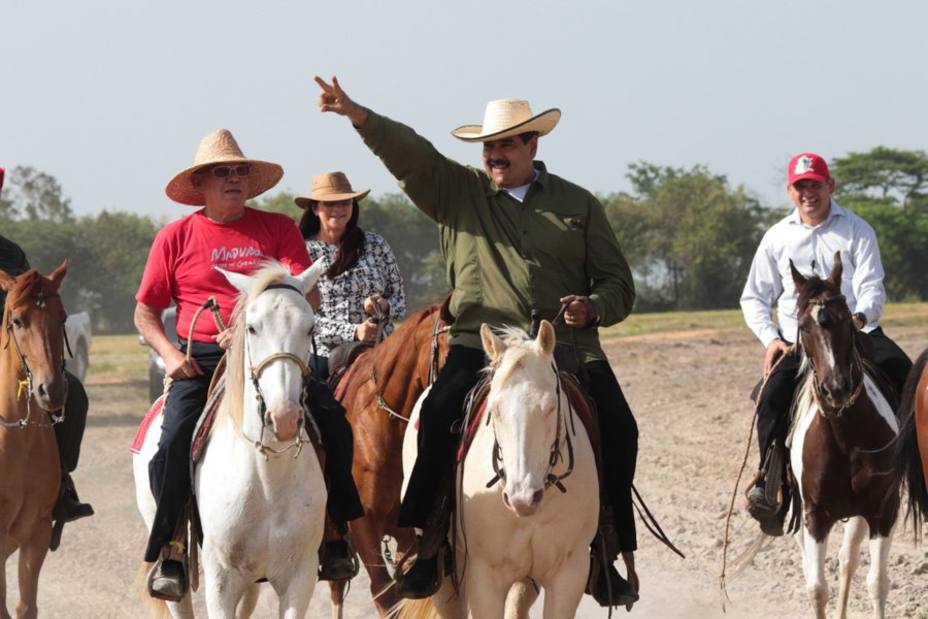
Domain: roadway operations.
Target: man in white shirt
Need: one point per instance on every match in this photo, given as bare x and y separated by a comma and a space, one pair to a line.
809, 236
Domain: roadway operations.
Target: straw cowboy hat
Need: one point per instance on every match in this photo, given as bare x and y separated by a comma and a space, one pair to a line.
219, 147
504, 118
330, 187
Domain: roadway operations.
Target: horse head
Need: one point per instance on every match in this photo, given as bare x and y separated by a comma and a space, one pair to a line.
33, 326
271, 346
525, 410
826, 335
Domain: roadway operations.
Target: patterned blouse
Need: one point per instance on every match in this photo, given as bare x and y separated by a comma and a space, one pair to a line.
343, 297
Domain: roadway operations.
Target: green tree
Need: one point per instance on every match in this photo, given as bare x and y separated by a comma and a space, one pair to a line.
887, 175
688, 236
36, 195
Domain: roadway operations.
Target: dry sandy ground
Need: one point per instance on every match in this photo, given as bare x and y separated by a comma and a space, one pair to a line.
690, 395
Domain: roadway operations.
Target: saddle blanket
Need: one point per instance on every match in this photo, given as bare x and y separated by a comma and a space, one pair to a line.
150, 416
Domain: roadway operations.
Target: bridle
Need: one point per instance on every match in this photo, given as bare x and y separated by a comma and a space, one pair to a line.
25, 385
554, 454
255, 371
856, 366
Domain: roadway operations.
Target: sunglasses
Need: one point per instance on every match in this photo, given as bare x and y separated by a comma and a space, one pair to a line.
224, 171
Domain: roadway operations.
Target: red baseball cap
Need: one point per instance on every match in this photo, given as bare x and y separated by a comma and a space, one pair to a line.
1, 176
807, 165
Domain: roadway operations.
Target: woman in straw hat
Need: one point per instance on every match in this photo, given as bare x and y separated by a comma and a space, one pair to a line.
181, 268
362, 280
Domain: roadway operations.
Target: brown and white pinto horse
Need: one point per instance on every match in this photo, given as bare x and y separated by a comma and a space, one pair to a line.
380, 390
841, 446
33, 389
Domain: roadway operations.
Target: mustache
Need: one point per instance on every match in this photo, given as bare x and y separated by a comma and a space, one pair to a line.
498, 163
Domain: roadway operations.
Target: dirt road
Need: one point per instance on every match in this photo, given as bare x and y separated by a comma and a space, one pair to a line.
690, 394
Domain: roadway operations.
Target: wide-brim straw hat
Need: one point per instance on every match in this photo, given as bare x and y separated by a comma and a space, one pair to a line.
330, 187
505, 118
220, 148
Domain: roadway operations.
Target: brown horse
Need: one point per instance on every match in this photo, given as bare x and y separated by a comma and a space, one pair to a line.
380, 390
841, 446
912, 458
33, 389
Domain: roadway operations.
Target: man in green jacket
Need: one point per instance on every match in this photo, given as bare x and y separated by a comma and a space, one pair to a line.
518, 242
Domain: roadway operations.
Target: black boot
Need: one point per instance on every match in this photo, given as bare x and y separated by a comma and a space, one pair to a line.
423, 579
604, 583
339, 561
69, 507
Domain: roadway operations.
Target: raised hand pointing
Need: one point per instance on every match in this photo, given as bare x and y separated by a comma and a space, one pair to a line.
333, 99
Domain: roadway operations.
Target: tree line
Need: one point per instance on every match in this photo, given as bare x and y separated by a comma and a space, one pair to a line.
689, 236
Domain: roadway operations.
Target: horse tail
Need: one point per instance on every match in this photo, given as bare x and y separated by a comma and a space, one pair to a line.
157, 609
744, 560
908, 459
413, 609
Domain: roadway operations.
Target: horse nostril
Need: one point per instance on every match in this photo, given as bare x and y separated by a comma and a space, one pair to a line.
43, 392
506, 499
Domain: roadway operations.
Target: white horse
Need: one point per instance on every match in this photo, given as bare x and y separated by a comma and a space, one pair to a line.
259, 486
522, 527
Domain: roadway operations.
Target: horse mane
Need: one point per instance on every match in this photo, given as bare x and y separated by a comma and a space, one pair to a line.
232, 407
515, 339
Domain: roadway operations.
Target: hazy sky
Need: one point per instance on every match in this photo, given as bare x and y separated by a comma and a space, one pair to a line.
112, 97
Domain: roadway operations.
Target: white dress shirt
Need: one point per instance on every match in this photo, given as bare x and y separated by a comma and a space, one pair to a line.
812, 250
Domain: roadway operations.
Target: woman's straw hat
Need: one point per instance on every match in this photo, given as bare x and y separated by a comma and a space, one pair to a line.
218, 148
504, 118
330, 187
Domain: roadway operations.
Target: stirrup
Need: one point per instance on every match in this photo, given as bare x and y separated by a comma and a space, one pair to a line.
424, 590
173, 589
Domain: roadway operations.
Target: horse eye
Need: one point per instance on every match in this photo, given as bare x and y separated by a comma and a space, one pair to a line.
17, 322
252, 330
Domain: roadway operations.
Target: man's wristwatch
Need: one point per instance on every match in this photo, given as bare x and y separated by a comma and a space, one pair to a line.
861, 318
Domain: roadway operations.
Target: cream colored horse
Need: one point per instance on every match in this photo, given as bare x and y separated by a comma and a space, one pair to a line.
521, 527
259, 486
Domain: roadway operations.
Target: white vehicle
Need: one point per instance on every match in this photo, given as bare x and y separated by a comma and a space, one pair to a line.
77, 328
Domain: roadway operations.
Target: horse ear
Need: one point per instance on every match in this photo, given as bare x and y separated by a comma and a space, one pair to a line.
310, 276
492, 345
798, 277
836, 270
58, 274
242, 283
546, 338
6, 281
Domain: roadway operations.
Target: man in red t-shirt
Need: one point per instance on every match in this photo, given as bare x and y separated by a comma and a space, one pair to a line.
181, 267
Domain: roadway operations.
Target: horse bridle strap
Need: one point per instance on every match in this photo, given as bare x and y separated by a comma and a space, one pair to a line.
554, 456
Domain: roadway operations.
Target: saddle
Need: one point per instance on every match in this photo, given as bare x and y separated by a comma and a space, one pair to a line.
342, 357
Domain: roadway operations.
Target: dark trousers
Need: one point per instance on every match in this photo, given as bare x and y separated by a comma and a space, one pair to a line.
619, 433
445, 405
70, 432
344, 503
169, 469
776, 399
320, 366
